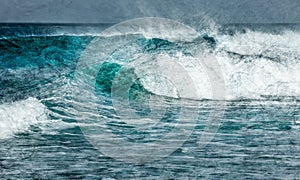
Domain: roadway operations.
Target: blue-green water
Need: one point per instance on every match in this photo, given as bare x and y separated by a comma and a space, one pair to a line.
43, 125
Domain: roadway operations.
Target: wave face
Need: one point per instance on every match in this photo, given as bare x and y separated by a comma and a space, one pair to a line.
49, 101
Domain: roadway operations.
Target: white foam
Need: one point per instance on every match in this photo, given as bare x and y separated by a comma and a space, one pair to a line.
189, 67
270, 67
18, 116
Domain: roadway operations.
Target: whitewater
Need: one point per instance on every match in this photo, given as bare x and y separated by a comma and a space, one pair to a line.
49, 102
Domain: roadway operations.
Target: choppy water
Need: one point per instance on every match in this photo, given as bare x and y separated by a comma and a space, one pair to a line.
49, 120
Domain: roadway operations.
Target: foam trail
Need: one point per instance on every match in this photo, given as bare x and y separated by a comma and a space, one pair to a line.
18, 116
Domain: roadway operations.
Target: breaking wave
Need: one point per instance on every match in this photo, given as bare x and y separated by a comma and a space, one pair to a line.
18, 116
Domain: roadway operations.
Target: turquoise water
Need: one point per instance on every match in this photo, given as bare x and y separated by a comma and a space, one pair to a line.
46, 129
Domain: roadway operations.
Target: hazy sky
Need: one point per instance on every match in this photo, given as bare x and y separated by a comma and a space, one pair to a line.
113, 11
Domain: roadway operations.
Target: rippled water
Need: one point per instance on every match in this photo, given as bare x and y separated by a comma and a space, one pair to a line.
52, 127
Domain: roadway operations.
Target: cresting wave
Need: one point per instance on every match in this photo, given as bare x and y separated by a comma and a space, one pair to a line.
54, 114
255, 65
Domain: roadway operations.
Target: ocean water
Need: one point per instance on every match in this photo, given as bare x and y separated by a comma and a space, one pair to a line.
68, 111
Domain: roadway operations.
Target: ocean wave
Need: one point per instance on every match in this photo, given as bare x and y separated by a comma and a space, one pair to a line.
254, 64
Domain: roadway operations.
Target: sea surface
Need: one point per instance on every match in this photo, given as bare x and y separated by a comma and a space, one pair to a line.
62, 118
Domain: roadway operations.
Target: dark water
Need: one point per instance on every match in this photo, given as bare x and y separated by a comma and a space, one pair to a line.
47, 132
